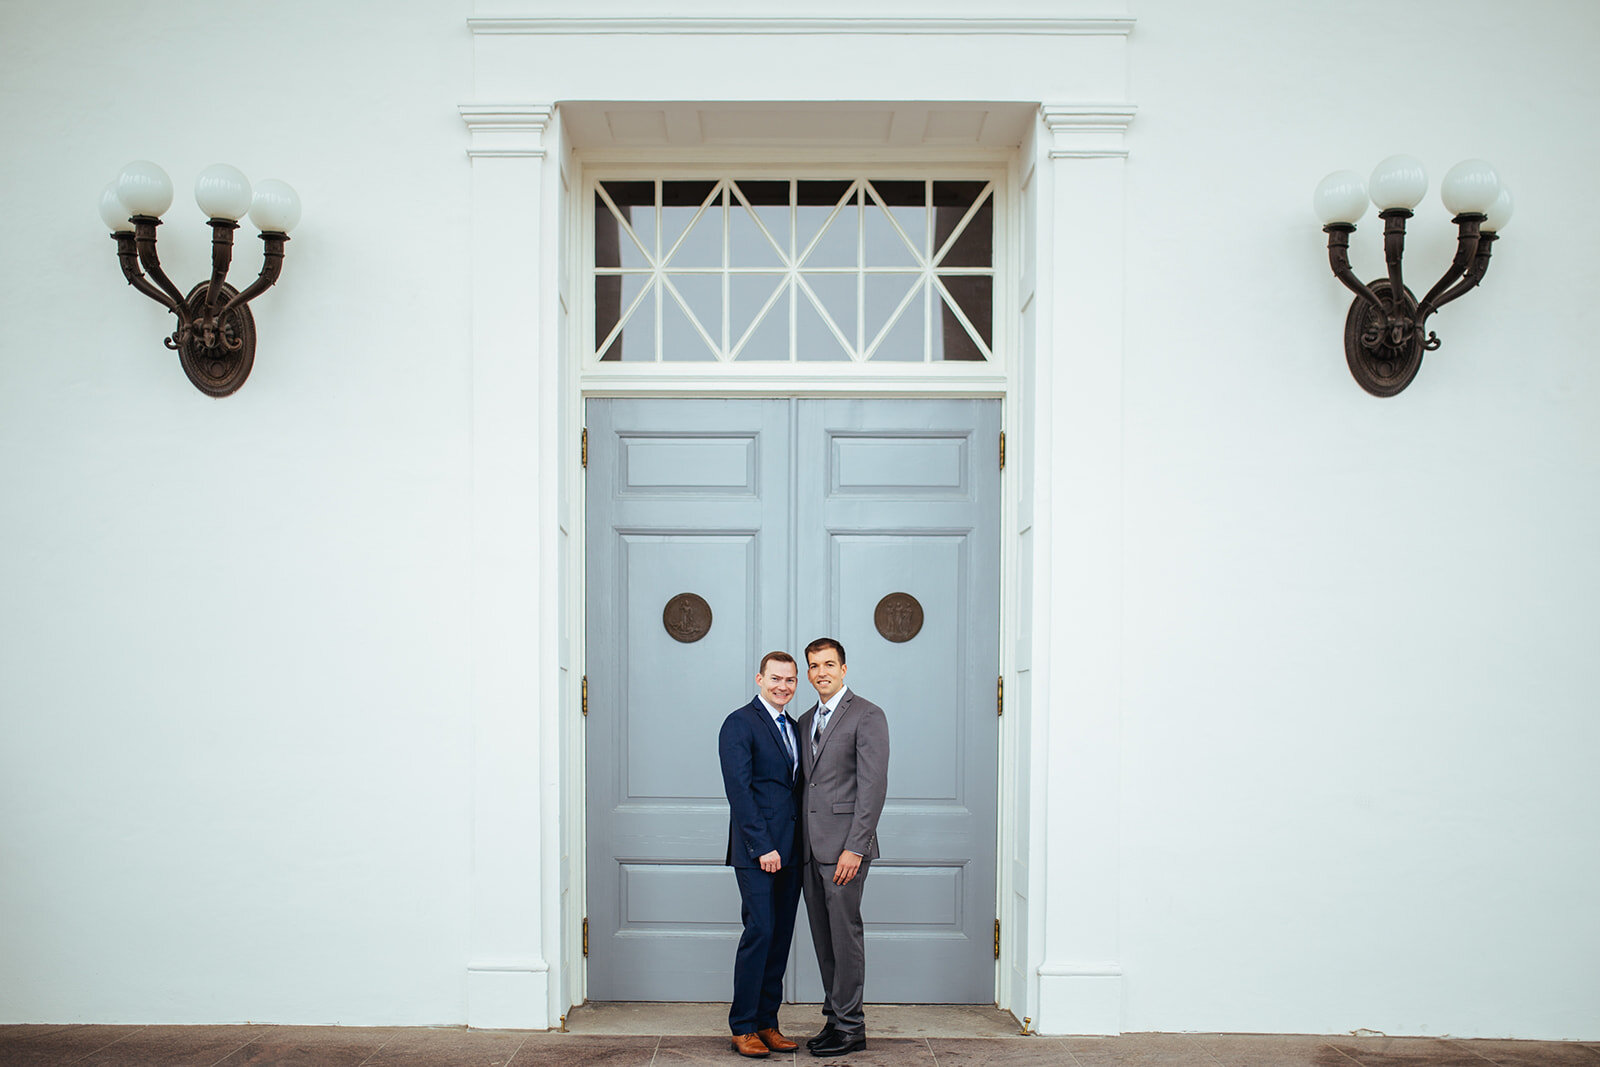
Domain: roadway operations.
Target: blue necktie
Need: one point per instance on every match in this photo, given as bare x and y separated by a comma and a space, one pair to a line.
788, 745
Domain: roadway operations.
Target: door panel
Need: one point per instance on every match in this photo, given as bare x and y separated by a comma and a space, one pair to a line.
686, 496
905, 498
793, 519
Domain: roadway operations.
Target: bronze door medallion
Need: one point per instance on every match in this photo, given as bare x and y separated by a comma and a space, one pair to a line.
898, 617
687, 617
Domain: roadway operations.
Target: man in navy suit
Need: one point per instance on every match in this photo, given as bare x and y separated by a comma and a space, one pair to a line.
760, 756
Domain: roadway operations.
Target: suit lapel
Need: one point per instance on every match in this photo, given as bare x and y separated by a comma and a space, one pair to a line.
759, 710
802, 737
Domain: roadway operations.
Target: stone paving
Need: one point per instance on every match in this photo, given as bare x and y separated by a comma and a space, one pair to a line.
598, 1037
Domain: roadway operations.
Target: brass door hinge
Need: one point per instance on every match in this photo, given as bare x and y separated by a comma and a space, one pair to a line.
583, 448
1002, 450
586, 696
999, 695
586, 937
997, 939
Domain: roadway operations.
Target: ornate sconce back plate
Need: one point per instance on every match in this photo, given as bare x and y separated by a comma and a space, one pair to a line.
219, 369
1382, 359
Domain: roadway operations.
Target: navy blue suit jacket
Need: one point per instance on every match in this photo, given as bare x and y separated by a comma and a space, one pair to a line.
763, 795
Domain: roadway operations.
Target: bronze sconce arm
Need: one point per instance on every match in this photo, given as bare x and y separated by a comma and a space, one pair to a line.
1386, 331
215, 337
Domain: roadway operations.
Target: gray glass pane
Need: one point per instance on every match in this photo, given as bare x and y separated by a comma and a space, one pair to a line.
907, 201
886, 248
975, 296
747, 295
838, 244
975, 245
769, 200
903, 343
770, 339
820, 193
701, 246
703, 293
885, 293
766, 192
680, 341
900, 193
838, 295
607, 235
914, 221
614, 295
747, 245
636, 204
814, 342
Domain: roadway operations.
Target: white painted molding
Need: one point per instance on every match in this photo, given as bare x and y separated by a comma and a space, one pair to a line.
508, 998
596, 382
1055, 27
506, 130
1088, 131
1078, 515
1080, 1001
1080, 970
514, 935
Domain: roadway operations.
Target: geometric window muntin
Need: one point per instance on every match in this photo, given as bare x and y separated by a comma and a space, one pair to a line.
799, 270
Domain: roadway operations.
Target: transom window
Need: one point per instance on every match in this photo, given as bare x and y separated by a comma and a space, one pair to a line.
797, 270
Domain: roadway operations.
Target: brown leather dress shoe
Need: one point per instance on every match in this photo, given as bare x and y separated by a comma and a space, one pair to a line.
776, 1041
750, 1045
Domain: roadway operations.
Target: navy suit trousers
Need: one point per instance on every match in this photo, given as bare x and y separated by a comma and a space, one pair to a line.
768, 909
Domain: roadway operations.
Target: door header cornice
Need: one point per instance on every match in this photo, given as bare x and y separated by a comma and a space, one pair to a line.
1102, 26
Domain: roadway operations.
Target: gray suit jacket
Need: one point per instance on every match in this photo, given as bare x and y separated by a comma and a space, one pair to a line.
845, 782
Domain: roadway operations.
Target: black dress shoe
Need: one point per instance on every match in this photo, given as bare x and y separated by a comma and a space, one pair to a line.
828, 1033
839, 1044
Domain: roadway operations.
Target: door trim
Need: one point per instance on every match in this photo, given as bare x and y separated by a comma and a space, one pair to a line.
579, 386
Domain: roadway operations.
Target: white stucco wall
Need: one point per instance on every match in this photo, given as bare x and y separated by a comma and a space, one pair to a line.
1360, 634
233, 653
1355, 724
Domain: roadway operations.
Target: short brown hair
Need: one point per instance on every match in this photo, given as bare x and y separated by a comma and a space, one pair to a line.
781, 657
825, 642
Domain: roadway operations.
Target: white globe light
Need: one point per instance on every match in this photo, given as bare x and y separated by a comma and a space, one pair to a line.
276, 207
144, 189
1340, 197
223, 192
1499, 212
112, 211
1399, 181
1469, 186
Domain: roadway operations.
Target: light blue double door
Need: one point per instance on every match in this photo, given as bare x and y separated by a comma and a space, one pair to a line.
719, 530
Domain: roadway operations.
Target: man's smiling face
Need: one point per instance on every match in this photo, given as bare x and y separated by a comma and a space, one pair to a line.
825, 672
777, 682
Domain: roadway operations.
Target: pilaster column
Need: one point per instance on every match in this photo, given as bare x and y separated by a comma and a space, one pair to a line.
1078, 605
514, 940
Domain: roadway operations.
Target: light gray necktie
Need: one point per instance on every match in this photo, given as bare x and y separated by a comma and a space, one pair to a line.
820, 725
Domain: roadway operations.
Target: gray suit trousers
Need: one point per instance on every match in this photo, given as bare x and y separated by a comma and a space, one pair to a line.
836, 930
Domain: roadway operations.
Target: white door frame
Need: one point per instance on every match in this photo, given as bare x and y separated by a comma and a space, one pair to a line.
1062, 595
992, 380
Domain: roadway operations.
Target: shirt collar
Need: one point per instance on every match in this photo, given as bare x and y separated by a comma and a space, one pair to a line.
833, 705
774, 712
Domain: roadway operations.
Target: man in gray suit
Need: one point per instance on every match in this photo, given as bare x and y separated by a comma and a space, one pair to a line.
844, 760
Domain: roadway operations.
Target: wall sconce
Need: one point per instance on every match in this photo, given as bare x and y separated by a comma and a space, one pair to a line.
216, 335
1384, 332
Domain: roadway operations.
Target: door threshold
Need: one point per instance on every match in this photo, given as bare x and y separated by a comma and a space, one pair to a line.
663, 1018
